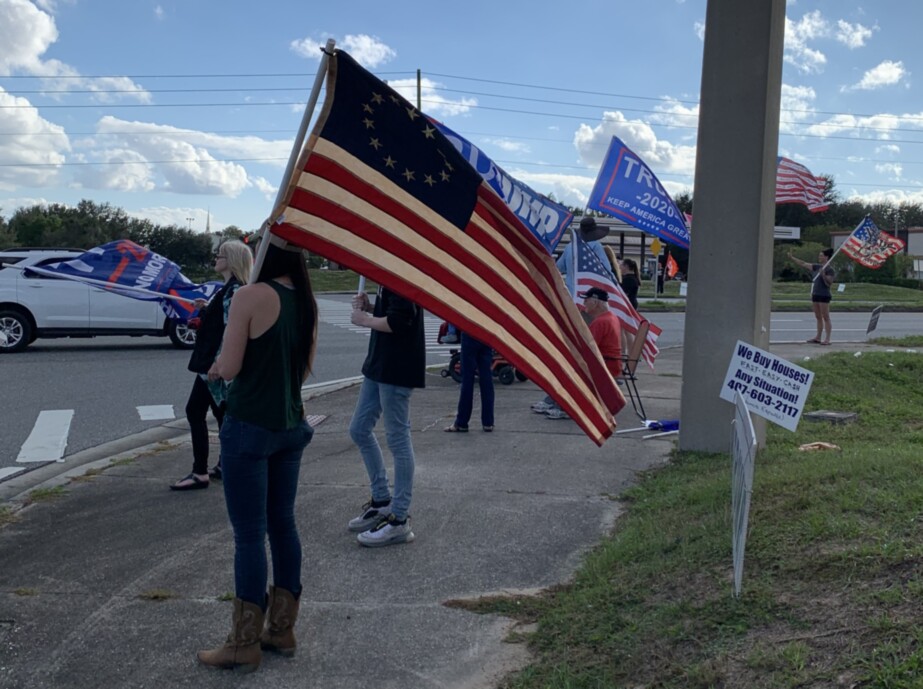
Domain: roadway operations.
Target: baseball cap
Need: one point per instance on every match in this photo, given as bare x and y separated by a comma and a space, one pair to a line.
597, 292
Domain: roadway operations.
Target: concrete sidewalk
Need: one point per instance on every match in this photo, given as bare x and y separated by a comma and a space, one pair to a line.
117, 582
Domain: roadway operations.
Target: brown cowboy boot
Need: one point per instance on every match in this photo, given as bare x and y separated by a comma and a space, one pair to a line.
242, 649
279, 635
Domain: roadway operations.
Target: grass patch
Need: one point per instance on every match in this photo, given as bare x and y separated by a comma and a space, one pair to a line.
22, 591
124, 461
226, 596
45, 494
833, 583
88, 475
157, 595
338, 281
7, 516
906, 341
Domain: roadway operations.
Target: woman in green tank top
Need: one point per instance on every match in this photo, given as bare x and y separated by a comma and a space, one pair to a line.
267, 352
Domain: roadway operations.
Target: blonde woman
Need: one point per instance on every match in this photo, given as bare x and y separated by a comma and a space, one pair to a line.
233, 261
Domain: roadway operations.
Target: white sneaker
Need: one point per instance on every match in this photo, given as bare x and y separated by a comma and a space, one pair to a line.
556, 414
369, 517
388, 531
542, 407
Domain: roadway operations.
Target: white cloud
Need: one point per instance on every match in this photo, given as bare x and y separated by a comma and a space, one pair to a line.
26, 33
896, 197
887, 73
699, 28
32, 146
672, 113
797, 36
169, 158
853, 35
571, 190
507, 145
894, 170
433, 102
159, 14
119, 169
265, 187
662, 156
796, 106
888, 149
368, 51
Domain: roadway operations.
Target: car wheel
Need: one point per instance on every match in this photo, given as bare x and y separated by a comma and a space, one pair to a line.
181, 335
15, 331
506, 375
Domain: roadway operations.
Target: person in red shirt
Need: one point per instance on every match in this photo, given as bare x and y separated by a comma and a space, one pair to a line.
607, 333
605, 328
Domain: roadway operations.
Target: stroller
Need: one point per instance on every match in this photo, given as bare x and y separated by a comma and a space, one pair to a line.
501, 369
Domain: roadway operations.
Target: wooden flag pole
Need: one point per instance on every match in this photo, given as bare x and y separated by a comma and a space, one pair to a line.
293, 157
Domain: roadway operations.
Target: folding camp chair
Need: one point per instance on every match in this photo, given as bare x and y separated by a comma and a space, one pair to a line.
630, 362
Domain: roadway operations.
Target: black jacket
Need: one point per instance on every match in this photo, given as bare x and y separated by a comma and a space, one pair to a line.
210, 332
398, 357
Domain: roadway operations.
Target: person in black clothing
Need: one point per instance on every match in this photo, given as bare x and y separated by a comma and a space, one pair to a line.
395, 365
233, 261
630, 280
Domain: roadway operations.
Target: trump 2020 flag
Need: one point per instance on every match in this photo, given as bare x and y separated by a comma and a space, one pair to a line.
544, 217
380, 190
796, 184
133, 271
870, 246
591, 272
626, 188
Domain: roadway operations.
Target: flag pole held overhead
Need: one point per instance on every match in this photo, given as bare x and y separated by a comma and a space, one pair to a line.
293, 156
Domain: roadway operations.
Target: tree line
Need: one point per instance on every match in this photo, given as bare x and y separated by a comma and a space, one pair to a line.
90, 224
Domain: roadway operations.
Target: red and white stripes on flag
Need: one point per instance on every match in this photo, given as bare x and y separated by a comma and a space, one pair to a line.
380, 191
796, 184
592, 273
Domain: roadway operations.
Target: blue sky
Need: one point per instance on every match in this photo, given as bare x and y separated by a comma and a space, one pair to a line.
184, 110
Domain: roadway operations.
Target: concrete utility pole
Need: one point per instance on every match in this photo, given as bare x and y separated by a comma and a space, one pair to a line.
731, 253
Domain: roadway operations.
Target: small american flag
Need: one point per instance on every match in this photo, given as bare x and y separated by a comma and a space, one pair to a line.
796, 184
591, 272
870, 246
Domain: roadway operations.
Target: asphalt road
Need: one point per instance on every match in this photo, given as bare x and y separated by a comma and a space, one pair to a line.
105, 380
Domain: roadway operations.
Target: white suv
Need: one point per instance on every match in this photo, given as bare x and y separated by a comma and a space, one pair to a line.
33, 306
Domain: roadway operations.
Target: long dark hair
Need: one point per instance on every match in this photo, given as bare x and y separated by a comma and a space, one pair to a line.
281, 262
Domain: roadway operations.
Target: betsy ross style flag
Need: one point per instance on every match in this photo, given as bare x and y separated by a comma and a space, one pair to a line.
796, 184
131, 270
380, 190
591, 272
870, 246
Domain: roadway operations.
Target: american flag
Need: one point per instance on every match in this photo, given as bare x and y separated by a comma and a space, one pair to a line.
591, 272
870, 246
796, 184
379, 190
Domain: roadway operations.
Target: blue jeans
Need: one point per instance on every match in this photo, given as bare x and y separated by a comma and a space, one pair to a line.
260, 470
392, 402
475, 355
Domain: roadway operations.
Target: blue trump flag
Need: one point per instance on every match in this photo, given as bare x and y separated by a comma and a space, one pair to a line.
131, 270
627, 189
546, 219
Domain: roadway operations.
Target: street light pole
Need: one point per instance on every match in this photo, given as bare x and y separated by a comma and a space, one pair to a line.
189, 220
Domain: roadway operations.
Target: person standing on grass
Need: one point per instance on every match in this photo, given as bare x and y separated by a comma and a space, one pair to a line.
395, 365
821, 278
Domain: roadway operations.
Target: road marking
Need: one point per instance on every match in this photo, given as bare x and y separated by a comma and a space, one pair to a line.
156, 412
10, 471
48, 439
